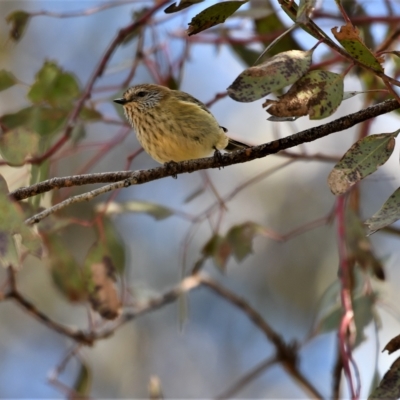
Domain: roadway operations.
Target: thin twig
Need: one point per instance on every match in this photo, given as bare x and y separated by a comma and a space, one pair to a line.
246, 379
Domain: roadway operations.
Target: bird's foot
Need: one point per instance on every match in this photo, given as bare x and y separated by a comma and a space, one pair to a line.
171, 165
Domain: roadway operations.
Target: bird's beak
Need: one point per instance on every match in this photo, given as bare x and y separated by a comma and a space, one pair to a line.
121, 100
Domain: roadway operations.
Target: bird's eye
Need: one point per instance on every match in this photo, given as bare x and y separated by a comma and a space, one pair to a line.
141, 94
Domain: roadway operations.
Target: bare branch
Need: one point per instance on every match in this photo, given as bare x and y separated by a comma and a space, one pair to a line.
241, 156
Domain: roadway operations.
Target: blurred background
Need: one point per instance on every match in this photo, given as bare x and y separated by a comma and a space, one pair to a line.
286, 282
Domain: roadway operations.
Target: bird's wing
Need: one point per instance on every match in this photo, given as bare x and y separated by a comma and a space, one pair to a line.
187, 98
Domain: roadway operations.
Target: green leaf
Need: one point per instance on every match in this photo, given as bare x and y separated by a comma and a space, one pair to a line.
359, 246
219, 249
361, 160
214, 15
272, 75
349, 38
65, 270
317, 94
83, 381
54, 86
240, 237
363, 307
115, 245
17, 144
11, 224
387, 215
42, 120
19, 21
20, 118
7, 79
389, 388
181, 6
155, 210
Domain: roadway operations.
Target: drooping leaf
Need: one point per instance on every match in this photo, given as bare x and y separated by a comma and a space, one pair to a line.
219, 249
174, 7
363, 307
19, 21
7, 79
349, 38
115, 245
155, 210
83, 381
100, 277
66, 272
389, 387
240, 237
11, 225
43, 120
274, 74
359, 246
317, 94
214, 15
361, 160
17, 144
54, 86
387, 215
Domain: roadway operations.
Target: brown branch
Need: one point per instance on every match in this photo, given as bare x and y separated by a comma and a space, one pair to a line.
246, 379
286, 355
144, 176
14, 294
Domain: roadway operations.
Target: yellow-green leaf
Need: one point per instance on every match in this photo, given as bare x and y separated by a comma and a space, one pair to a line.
17, 144
213, 15
54, 86
349, 38
174, 7
361, 160
7, 79
387, 215
240, 237
19, 21
274, 74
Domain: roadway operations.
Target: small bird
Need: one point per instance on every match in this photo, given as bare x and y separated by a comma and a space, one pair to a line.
173, 126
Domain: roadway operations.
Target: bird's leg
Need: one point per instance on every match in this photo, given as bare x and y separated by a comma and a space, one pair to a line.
217, 157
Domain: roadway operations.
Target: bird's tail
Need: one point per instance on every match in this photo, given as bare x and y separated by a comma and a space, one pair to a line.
235, 145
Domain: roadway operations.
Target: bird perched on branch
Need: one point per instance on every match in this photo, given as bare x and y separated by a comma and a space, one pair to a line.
172, 125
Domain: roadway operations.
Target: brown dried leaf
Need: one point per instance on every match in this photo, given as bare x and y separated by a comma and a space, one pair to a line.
103, 294
317, 94
393, 345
